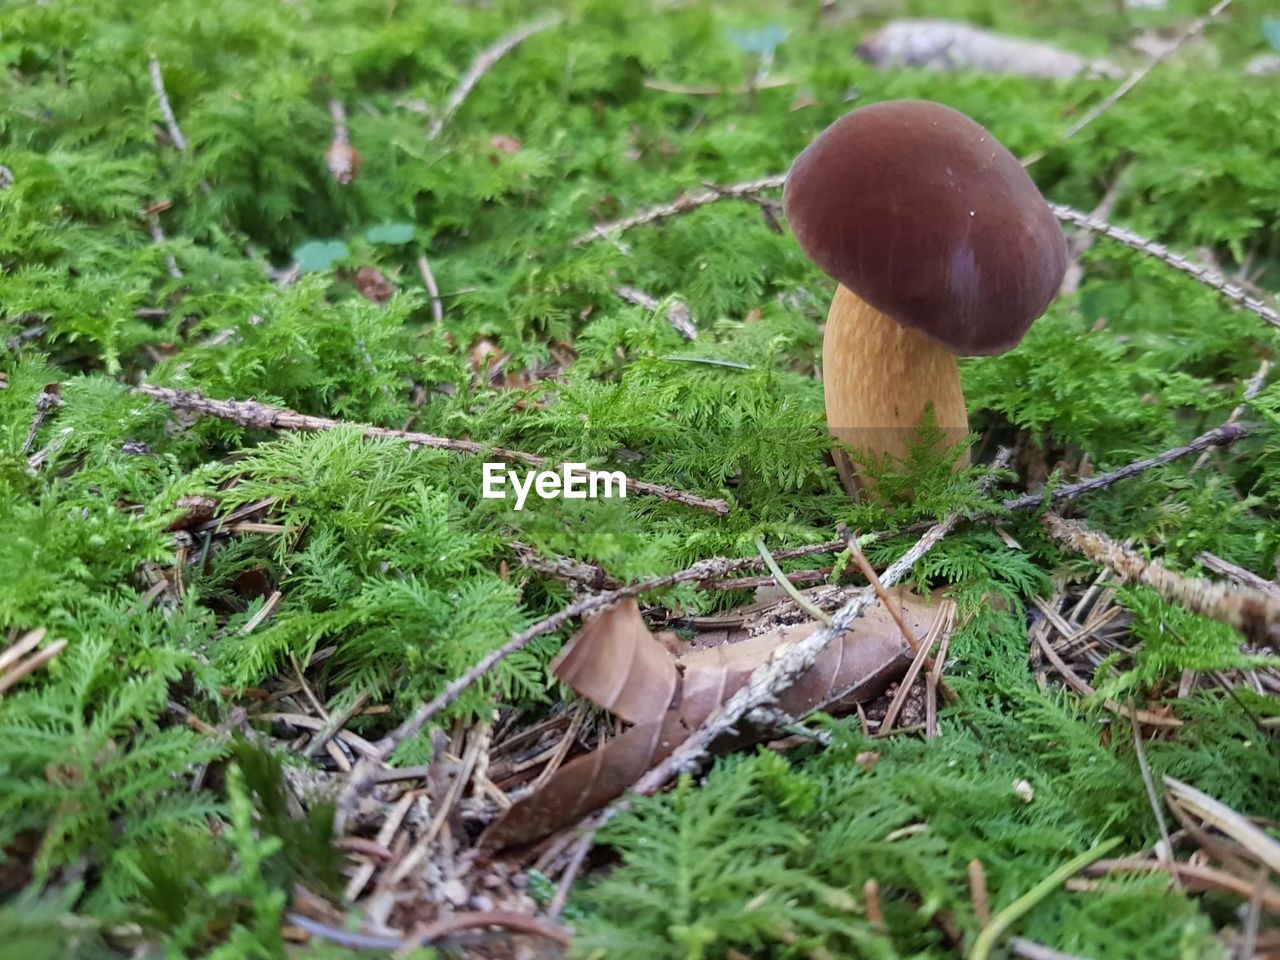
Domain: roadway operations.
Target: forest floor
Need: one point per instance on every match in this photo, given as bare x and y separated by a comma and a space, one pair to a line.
278, 278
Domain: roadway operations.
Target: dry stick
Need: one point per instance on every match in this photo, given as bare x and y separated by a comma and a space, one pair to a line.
429, 278
170, 121
747, 190
1251, 389
1133, 80
1217, 437
690, 201
1202, 274
262, 416
482, 64
48, 400
158, 237
424, 936
1253, 613
25, 668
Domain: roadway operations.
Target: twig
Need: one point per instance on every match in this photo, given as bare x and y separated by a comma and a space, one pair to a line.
1009, 915
1217, 814
1202, 274
799, 598
170, 121
941, 624
1107, 102
261, 416
690, 201
48, 400
1252, 388
1254, 614
158, 237
335, 724
482, 64
520, 922
13, 668
1195, 876
767, 83
1148, 781
871, 896
429, 278
1237, 573
677, 310
571, 870
1217, 437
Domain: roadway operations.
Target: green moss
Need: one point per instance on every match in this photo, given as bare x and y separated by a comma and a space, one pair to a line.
389, 555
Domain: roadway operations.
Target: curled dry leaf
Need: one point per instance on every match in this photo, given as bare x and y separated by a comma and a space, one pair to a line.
615, 661
374, 285
948, 45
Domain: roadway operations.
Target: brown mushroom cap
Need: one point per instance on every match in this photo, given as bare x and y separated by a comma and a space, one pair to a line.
924, 215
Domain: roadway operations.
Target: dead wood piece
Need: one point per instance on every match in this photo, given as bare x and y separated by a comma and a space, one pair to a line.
1252, 613
947, 45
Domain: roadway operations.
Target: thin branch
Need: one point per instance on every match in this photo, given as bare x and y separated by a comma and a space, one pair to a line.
160, 240
170, 121
48, 400
690, 201
429, 278
482, 64
1253, 613
261, 416
1135, 78
1217, 437
437, 930
1202, 274
1251, 389
677, 310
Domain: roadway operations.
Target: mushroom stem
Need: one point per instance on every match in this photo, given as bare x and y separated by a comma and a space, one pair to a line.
879, 377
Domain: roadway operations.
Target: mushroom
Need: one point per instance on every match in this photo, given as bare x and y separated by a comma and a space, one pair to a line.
941, 246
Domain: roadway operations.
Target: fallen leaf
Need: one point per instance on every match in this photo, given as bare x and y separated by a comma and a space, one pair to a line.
616, 662
587, 783
374, 285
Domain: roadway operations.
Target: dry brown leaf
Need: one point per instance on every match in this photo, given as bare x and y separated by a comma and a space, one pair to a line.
587, 783
948, 45
374, 285
616, 662
852, 669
